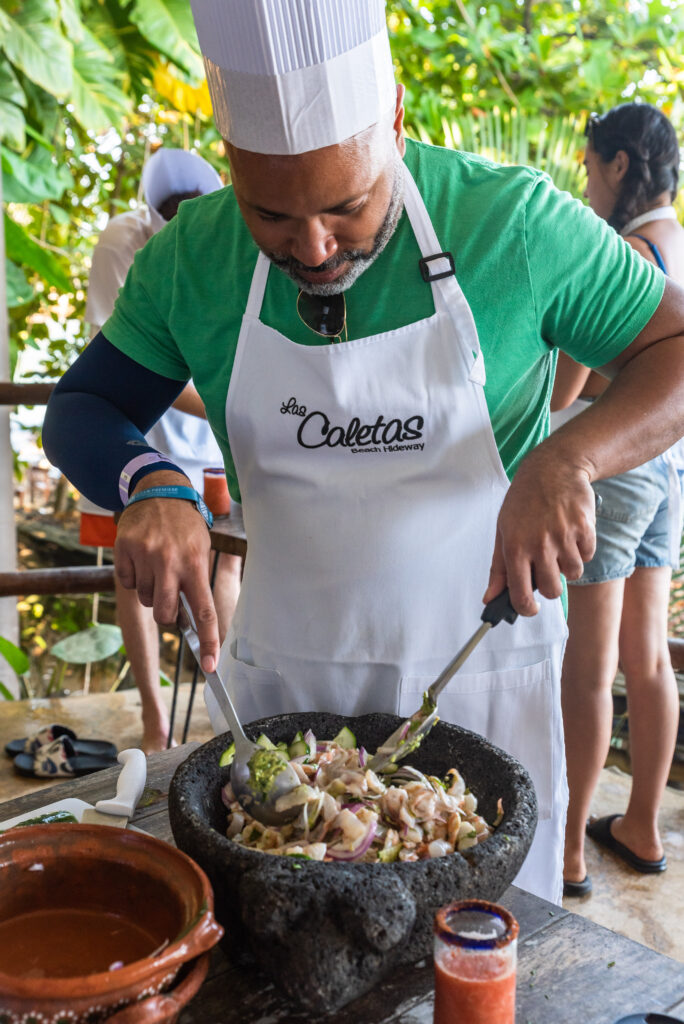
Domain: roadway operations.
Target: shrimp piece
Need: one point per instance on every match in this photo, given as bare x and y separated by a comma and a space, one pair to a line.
457, 785
453, 827
392, 802
352, 828
406, 854
469, 803
438, 848
466, 844
422, 802
316, 851
373, 782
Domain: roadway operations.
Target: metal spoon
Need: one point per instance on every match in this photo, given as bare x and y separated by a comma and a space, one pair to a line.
410, 733
259, 777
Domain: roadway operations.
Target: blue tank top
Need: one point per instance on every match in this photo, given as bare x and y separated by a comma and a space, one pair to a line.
655, 250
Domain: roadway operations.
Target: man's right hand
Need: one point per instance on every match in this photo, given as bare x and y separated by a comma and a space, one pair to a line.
162, 547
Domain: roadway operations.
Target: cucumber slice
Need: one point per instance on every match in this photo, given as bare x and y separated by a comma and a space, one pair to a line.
390, 855
282, 746
263, 741
227, 756
346, 739
298, 749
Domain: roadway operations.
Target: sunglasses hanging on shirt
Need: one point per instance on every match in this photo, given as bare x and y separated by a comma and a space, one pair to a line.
324, 314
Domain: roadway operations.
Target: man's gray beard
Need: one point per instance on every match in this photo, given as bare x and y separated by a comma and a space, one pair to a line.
358, 259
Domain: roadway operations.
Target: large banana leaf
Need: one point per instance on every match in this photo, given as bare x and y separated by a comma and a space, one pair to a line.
35, 45
32, 180
168, 26
97, 100
22, 249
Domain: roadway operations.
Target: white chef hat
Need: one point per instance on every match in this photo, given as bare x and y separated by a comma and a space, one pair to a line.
169, 171
289, 76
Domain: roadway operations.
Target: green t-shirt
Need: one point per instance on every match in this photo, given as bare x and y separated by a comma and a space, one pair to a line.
539, 270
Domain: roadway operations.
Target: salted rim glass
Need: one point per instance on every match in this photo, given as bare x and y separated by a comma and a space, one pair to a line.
476, 924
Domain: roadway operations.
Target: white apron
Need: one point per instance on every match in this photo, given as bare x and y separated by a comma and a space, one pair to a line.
371, 484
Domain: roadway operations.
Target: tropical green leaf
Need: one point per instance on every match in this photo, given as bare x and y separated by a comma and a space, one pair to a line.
71, 19
95, 96
168, 25
61, 216
10, 88
35, 45
5, 26
22, 249
4, 692
32, 180
12, 124
14, 656
92, 644
19, 290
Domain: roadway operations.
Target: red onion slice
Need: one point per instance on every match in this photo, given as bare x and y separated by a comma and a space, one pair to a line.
359, 850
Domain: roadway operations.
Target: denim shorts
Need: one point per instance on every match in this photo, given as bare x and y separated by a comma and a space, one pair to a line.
632, 524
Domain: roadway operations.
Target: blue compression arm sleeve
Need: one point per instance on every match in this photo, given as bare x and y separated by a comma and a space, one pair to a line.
98, 415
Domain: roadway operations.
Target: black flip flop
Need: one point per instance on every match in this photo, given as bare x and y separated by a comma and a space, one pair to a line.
649, 1018
59, 760
574, 889
86, 748
599, 830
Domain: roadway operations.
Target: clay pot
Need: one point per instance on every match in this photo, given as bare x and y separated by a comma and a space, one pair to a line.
327, 933
107, 870
166, 1008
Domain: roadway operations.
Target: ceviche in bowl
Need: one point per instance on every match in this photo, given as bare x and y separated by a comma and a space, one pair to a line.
350, 813
349, 895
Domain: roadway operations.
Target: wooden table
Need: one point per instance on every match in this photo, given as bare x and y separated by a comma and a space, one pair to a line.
228, 533
570, 971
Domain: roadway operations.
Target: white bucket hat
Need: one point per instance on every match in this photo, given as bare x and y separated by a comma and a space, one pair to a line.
169, 171
289, 76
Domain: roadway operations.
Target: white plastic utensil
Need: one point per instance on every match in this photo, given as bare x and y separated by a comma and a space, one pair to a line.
129, 789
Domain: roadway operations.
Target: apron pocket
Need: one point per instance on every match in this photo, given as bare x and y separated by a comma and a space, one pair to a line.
255, 692
512, 708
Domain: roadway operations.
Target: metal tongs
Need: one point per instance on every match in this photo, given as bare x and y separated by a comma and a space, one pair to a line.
259, 778
411, 732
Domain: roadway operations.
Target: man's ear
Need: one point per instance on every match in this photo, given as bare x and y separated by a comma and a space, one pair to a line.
398, 126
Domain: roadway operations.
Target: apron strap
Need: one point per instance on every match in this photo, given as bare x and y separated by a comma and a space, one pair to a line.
258, 287
446, 291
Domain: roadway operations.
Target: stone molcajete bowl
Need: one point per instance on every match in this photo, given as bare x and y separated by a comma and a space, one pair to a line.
327, 932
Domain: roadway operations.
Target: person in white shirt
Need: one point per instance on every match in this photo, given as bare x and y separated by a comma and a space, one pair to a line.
182, 433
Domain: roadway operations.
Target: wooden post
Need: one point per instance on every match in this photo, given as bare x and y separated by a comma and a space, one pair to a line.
9, 620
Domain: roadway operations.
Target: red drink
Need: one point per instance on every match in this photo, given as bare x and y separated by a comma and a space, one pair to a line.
216, 493
475, 962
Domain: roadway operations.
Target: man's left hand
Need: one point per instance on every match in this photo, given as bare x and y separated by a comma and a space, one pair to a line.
546, 527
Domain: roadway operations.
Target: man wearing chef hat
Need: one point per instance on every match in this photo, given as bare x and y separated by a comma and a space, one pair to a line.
372, 326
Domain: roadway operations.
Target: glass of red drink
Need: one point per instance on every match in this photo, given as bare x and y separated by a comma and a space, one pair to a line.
475, 963
216, 493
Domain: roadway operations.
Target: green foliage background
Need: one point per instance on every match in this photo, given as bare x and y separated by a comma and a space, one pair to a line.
88, 87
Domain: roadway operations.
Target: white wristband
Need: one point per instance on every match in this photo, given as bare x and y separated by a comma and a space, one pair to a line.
132, 467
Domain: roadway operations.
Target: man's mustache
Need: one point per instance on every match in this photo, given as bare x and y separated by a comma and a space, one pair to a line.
350, 256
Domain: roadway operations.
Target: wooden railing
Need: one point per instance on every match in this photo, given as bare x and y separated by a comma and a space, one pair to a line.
26, 393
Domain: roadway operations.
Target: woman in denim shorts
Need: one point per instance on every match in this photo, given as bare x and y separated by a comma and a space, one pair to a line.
618, 609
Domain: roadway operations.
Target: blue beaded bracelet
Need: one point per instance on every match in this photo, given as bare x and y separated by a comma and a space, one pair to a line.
184, 493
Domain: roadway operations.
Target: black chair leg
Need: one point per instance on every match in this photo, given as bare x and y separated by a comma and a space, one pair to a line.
195, 674
176, 684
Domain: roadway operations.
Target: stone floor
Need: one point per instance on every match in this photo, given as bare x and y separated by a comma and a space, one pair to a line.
647, 908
